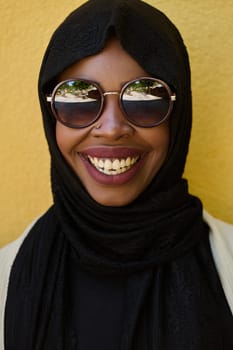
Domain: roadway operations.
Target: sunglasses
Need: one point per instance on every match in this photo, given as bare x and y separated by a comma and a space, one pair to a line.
145, 102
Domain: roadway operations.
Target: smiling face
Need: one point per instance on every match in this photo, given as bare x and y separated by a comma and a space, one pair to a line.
114, 159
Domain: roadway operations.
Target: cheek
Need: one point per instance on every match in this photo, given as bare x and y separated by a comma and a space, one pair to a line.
61, 140
166, 141
159, 139
66, 138
159, 142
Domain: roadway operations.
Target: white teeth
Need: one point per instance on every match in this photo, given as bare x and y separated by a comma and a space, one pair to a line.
107, 164
101, 163
122, 163
114, 166
128, 161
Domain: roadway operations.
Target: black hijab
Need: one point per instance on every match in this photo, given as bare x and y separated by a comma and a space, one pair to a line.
159, 241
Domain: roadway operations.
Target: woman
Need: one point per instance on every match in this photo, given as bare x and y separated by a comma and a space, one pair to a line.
124, 258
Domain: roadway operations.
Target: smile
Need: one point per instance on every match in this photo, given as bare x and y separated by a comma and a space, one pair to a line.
113, 166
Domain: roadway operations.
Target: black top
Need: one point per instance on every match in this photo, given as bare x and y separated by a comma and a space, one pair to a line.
92, 299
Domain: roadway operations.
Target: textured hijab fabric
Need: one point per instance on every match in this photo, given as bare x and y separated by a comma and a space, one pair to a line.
159, 242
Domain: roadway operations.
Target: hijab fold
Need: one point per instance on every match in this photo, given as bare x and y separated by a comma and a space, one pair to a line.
159, 242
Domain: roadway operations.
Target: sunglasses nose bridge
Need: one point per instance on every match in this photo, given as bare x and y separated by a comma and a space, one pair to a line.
111, 93
115, 105
107, 93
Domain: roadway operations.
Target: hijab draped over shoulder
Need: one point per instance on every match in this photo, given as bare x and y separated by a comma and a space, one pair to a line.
159, 242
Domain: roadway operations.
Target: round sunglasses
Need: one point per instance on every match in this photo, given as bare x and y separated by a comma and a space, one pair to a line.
145, 102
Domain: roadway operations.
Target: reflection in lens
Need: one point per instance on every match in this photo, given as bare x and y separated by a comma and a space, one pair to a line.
146, 102
77, 103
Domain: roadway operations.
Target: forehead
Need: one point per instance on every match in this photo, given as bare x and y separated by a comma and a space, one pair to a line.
111, 67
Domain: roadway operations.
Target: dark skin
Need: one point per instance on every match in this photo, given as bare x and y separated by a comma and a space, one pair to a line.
112, 133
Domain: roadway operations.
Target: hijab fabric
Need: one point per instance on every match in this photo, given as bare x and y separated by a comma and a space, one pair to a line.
159, 242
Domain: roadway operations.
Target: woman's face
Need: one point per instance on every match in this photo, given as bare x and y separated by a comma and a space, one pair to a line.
135, 153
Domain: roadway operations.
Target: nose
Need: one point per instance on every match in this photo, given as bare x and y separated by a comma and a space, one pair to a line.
112, 123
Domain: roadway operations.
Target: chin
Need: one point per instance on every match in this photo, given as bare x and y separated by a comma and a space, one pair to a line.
113, 200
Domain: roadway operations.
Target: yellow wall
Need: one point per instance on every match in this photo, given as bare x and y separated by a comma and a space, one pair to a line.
26, 27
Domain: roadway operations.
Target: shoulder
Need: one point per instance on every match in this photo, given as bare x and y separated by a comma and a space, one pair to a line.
219, 226
7, 257
9, 251
221, 242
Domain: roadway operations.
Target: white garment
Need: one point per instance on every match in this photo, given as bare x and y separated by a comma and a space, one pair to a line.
7, 257
221, 242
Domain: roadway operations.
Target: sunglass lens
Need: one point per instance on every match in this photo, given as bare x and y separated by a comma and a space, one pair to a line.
77, 103
146, 102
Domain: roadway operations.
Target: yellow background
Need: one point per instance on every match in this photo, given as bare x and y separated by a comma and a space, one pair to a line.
26, 27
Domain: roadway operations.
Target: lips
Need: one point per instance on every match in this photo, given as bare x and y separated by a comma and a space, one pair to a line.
109, 165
